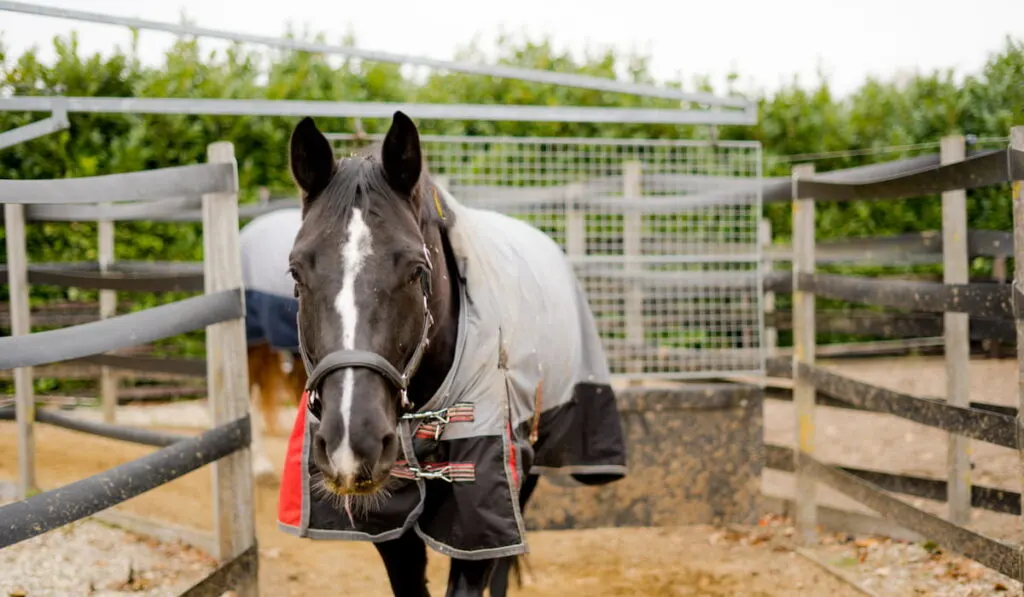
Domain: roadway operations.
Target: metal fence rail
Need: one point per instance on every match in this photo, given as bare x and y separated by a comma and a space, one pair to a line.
58, 507
135, 435
122, 331
490, 70
219, 310
958, 301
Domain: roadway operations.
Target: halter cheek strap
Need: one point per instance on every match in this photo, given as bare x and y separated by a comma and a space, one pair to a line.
344, 359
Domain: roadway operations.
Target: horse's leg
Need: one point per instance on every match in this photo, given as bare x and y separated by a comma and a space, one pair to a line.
261, 465
273, 385
469, 578
499, 580
405, 559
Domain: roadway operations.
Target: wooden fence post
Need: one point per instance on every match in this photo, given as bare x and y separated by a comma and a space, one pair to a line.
771, 333
575, 223
21, 325
1017, 143
632, 234
108, 308
227, 372
999, 275
957, 337
804, 345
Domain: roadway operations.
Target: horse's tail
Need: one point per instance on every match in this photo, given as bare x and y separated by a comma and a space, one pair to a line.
517, 566
515, 570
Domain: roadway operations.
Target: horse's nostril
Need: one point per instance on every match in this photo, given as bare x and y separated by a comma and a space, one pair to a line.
388, 446
320, 450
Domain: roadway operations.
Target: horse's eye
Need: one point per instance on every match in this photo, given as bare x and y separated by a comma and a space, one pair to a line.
417, 274
295, 277
315, 408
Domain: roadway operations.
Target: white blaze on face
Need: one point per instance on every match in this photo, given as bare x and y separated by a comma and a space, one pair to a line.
354, 252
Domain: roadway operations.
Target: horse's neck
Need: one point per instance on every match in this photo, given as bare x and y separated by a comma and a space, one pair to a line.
440, 354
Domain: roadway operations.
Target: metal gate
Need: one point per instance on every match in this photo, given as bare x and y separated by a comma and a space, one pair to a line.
663, 236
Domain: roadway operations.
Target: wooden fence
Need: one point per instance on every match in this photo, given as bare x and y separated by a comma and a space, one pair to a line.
904, 331
220, 311
961, 304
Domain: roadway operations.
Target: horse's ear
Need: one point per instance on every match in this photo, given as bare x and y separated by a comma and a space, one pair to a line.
403, 160
312, 159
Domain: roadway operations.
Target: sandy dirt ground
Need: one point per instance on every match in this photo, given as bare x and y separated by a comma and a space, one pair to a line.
604, 562
696, 561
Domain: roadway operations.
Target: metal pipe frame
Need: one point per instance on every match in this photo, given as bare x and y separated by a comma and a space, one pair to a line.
57, 121
296, 108
505, 72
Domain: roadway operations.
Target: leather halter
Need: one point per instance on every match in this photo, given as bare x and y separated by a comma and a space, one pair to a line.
345, 359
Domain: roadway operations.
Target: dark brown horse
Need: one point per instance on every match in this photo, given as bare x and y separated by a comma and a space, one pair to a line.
450, 353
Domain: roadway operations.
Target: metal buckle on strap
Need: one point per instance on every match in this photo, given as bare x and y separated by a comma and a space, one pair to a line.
460, 412
450, 472
439, 415
443, 473
440, 418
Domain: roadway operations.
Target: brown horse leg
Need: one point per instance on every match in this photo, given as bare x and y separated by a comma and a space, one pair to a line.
265, 371
258, 368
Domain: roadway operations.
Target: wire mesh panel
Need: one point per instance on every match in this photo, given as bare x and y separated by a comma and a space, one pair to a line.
663, 236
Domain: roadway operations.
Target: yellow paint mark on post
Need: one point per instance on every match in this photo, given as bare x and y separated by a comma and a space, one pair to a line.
806, 433
437, 204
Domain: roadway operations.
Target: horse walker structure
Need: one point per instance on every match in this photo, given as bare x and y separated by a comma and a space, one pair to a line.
220, 310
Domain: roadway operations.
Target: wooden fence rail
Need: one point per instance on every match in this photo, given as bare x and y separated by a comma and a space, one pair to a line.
954, 413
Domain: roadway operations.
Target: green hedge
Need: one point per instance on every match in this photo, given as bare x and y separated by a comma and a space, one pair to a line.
801, 118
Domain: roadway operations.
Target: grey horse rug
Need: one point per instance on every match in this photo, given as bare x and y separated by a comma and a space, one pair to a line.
529, 391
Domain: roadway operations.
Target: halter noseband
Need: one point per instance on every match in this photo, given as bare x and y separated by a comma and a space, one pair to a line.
344, 359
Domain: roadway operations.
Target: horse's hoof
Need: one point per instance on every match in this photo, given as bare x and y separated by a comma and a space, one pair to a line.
264, 472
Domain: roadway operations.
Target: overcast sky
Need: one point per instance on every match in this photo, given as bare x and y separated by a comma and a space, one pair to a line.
766, 41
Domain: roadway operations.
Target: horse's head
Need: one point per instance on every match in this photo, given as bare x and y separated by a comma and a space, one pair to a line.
363, 272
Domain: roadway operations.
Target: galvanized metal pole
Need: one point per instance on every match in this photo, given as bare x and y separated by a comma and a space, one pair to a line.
299, 108
489, 70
